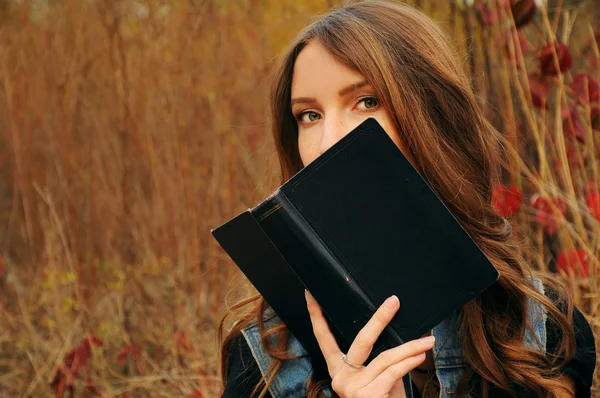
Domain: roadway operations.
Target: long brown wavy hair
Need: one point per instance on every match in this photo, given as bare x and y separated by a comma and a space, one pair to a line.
410, 64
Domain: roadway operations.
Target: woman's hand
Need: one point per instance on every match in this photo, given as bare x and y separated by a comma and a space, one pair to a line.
383, 376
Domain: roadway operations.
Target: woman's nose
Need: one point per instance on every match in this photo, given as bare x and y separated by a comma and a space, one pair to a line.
333, 131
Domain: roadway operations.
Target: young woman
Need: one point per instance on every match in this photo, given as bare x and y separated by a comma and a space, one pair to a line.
521, 337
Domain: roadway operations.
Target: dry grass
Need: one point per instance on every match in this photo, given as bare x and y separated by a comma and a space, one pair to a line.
128, 129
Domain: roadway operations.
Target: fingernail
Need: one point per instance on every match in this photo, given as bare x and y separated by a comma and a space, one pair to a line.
392, 302
428, 341
309, 297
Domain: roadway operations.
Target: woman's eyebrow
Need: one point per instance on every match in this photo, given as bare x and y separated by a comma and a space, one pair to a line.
352, 87
341, 93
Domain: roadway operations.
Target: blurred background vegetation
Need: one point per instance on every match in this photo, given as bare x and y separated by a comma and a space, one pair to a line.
129, 128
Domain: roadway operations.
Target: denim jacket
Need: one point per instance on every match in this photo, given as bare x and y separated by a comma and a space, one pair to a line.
450, 363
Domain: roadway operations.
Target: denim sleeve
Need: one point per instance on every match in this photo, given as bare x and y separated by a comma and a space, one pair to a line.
243, 373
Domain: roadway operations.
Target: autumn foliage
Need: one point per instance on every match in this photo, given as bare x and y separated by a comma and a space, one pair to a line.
129, 128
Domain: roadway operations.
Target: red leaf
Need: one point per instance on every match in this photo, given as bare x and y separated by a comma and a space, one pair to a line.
579, 86
591, 185
523, 12
546, 59
92, 389
74, 362
539, 91
506, 200
488, 11
132, 350
571, 152
574, 262
545, 216
573, 125
593, 203
195, 394
488, 15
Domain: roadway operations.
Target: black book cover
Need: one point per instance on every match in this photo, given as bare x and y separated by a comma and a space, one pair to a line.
354, 227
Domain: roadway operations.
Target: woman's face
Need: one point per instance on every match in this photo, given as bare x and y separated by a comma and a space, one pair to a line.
329, 100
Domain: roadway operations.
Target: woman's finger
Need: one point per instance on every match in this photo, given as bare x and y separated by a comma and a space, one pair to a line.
385, 382
365, 339
396, 355
329, 347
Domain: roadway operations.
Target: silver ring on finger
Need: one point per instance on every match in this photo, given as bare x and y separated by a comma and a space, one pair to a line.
355, 366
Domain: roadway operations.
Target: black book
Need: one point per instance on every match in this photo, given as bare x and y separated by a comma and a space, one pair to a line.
355, 226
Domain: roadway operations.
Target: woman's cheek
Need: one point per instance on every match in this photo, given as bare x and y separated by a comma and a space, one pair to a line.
306, 148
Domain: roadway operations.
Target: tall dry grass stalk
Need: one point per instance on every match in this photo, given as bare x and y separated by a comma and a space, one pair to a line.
128, 129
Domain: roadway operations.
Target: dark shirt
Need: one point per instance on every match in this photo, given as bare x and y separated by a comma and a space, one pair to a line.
243, 373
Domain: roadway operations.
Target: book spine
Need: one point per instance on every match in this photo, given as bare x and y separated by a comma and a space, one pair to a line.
353, 308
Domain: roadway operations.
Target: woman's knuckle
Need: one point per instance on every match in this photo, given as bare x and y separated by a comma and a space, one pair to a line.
386, 356
409, 349
397, 371
381, 317
363, 342
335, 385
364, 393
345, 388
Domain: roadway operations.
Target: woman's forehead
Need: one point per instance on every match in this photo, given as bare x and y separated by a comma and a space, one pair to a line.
317, 71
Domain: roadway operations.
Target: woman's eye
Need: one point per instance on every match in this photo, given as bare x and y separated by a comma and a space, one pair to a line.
308, 117
369, 102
